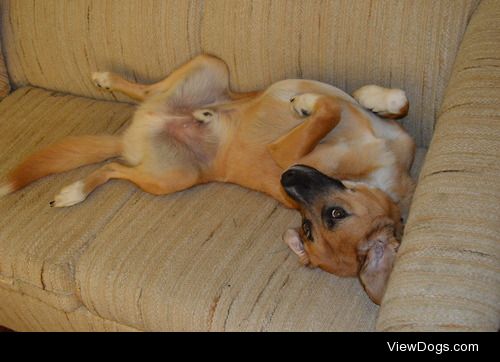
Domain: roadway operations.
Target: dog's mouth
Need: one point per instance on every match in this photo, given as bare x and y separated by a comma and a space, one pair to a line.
303, 184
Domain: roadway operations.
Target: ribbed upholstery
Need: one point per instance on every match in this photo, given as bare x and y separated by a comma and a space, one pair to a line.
39, 245
447, 273
408, 44
4, 78
209, 258
25, 313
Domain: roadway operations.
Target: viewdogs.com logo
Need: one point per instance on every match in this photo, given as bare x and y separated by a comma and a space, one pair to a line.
437, 348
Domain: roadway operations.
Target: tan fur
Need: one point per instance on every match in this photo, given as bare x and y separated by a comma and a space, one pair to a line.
403, 111
67, 154
337, 251
363, 244
249, 139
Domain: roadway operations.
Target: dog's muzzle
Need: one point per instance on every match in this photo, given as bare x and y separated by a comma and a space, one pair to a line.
303, 183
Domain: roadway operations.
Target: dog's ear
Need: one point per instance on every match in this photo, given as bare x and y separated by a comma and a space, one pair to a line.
292, 238
377, 254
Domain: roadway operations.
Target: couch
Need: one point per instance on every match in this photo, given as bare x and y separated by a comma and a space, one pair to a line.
211, 258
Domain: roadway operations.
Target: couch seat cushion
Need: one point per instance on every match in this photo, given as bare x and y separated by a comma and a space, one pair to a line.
39, 246
209, 258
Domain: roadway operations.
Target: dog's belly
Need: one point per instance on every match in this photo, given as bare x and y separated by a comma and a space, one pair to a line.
159, 138
272, 114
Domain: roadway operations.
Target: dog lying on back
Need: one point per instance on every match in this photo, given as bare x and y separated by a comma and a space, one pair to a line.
192, 129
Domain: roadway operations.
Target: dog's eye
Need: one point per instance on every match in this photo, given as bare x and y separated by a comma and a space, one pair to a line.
307, 228
333, 215
338, 213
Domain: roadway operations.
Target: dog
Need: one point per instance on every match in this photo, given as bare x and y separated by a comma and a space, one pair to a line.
191, 128
347, 229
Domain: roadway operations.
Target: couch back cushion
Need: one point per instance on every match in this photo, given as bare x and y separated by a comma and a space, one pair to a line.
4, 79
407, 44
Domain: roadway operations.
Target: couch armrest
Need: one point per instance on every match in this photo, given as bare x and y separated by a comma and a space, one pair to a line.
447, 273
4, 79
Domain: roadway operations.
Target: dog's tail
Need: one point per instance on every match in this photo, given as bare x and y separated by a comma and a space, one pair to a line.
65, 155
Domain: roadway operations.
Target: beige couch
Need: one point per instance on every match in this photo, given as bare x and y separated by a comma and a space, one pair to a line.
211, 258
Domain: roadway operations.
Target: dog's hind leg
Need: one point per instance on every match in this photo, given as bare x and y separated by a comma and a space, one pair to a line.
323, 114
203, 75
113, 82
171, 181
385, 102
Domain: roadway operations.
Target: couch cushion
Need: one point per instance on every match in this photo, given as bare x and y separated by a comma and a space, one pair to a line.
208, 258
408, 44
447, 273
211, 258
39, 245
4, 78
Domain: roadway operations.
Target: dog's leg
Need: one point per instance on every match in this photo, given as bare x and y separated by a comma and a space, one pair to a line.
386, 102
171, 181
323, 114
199, 69
114, 83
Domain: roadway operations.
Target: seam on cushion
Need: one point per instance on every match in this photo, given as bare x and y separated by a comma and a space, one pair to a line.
80, 307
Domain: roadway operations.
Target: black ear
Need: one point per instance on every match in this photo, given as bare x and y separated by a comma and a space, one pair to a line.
379, 253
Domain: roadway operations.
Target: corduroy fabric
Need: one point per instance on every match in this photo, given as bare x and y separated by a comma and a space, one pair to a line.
24, 313
209, 258
447, 273
407, 44
4, 78
39, 245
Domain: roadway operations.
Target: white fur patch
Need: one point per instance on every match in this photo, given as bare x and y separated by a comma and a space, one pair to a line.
383, 179
304, 104
6, 189
102, 80
70, 195
395, 100
380, 99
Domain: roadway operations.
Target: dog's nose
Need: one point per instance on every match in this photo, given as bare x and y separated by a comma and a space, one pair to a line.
304, 183
295, 174
287, 179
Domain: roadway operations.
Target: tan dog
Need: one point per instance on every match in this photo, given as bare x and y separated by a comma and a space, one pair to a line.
347, 229
191, 129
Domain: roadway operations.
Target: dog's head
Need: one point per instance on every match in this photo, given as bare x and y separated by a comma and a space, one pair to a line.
348, 229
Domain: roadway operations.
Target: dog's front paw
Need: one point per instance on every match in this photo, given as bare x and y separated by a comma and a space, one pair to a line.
103, 80
304, 104
70, 195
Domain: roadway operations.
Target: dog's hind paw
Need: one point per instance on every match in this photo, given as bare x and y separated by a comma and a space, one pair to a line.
304, 104
102, 80
386, 102
70, 195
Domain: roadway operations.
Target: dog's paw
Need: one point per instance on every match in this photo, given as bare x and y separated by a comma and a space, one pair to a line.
381, 100
396, 101
204, 115
102, 80
304, 104
69, 195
